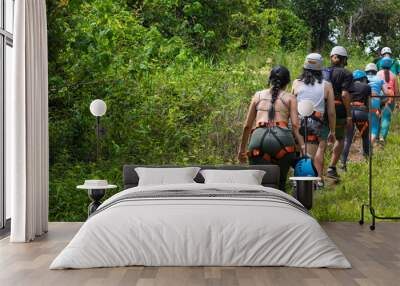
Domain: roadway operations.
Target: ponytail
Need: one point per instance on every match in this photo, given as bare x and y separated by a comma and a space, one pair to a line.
387, 75
276, 87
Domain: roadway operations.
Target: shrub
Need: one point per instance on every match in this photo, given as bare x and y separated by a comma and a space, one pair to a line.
277, 28
205, 24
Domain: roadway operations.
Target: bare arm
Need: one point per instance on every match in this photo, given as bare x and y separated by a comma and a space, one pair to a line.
385, 90
294, 88
248, 124
330, 99
294, 118
346, 102
396, 87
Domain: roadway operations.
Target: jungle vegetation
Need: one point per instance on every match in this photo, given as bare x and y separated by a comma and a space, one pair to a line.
177, 76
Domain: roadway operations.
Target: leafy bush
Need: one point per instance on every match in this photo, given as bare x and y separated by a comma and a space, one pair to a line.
277, 28
205, 24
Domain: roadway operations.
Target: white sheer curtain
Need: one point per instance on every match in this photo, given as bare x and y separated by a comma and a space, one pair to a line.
27, 124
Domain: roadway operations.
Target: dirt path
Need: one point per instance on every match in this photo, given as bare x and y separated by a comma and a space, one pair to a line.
356, 154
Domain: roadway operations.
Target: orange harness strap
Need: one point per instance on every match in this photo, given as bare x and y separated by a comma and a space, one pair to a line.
312, 138
376, 111
317, 114
362, 126
357, 104
263, 124
284, 151
282, 124
281, 153
338, 102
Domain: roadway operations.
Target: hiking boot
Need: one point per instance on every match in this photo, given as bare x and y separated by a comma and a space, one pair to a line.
343, 167
319, 185
382, 141
332, 173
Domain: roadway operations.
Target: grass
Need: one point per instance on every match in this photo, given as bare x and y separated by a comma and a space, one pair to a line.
342, 202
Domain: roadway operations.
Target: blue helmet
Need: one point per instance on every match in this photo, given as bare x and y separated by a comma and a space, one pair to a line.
386, 63
305, 168
359, 74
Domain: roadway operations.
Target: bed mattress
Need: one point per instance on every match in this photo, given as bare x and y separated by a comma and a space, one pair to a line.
201, 225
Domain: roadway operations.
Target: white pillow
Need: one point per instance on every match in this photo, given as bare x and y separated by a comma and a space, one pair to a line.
166, 176
248, 177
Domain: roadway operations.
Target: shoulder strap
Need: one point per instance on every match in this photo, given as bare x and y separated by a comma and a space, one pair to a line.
284, 102
327, 74
259, 93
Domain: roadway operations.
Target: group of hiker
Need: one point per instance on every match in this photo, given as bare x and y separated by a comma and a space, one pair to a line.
274, 131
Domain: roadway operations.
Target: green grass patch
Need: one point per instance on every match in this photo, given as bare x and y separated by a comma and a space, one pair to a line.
342, 202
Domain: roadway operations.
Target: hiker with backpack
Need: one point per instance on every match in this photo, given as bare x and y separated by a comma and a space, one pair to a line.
377, 89
310, 85
391, 89
386, 52
360, 93
341, 80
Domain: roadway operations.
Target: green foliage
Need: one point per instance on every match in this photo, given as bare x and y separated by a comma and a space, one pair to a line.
318, 14
371, 20
272, 29
177, 77
205, 24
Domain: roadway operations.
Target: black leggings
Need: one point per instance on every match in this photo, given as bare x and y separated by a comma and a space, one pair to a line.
360, 116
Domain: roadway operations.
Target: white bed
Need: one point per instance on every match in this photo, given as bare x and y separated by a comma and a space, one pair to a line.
269, 229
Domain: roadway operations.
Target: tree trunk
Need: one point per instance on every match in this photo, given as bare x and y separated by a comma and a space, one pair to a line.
350, 28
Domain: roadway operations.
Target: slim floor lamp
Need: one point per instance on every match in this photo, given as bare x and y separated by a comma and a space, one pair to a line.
370, 201
98, 108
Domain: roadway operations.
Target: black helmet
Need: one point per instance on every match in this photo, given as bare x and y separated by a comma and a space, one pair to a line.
279, 76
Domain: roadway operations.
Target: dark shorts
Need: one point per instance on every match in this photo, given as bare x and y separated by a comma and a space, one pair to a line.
340, 129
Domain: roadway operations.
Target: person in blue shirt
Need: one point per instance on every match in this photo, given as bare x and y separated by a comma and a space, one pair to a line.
377, 89
386, 52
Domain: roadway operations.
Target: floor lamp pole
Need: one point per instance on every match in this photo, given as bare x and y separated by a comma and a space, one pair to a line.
305, 135
97, 137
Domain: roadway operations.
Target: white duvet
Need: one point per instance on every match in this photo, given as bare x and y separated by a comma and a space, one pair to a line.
200, 231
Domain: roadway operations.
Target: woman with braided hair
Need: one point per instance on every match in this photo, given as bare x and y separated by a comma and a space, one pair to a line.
271, 141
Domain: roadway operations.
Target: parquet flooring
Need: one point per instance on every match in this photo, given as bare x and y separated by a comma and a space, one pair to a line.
375, 257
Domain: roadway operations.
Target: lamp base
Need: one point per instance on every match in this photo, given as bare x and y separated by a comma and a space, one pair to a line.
304, 193
95, 195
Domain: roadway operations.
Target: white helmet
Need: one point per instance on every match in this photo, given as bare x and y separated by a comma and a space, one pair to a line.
313, 61
339, 51
386, 50
371, 67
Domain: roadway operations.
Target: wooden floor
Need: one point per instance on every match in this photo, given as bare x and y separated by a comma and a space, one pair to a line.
375, 257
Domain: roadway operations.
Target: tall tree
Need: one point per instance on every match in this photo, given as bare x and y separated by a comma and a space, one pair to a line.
319, 14
374, 23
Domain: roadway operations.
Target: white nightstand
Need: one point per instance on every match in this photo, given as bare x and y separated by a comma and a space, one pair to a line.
96, 190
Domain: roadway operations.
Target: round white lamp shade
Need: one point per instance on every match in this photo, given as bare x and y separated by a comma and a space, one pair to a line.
98, 107
305, 108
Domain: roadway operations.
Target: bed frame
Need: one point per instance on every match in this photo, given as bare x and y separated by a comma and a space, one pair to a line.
270, 179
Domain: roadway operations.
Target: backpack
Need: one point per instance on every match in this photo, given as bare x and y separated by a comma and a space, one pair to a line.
327, 74
395, 63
